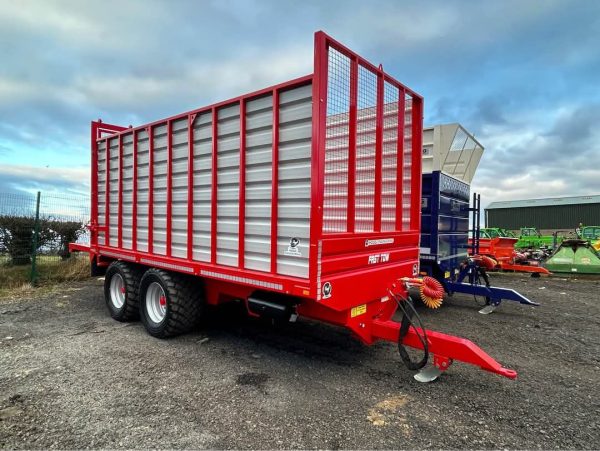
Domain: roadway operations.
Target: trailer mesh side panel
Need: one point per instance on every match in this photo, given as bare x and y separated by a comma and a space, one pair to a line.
362, 152
365, 150
336, 143
407, 164
390, 157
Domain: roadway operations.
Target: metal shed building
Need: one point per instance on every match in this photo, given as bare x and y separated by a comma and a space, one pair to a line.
556, 213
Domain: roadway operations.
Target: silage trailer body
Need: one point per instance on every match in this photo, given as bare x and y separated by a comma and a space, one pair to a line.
301, 197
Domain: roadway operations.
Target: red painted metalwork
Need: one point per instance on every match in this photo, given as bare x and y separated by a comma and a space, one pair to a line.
169, 187
120, 206
378, 152
319, 121
274, 181
417, 140
134, 206
190, 187
400, 160
356, 268
150, 131
242, 188
213, 194
107, 196
352, 144
441, 345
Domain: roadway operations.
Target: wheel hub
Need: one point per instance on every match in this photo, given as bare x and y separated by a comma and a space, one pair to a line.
156, 303
117, 291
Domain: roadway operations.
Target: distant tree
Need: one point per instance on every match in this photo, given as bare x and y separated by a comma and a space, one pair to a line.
65, 232
16, 237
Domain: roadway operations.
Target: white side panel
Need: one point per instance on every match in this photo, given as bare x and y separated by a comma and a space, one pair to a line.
101, 190
202, 186
179, 188
228, 179
259, 167
113, 198
143, 170
127, 185
294, 171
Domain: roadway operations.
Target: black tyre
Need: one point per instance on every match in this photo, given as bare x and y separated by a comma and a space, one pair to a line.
170, 304
121, 288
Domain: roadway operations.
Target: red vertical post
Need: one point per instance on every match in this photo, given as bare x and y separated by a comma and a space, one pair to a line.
319, 119
94, 185
134, 199
242, 185
150, 131
107, 199
275, 181
417, 151
169, 187
190, 197
352, 122
400, 159
213, 199
120, 206
378, 152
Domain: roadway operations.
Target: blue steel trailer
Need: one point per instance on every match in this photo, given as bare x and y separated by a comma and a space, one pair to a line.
445, 242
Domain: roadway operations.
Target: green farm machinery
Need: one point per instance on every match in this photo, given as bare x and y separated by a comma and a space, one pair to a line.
531, 238
581, 255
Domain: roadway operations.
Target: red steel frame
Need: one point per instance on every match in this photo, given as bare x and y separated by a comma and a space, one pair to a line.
340, 257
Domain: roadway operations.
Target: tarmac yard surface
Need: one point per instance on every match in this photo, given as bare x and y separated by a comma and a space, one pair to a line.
71, 377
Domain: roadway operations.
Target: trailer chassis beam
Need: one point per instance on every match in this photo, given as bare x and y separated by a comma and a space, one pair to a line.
445, 349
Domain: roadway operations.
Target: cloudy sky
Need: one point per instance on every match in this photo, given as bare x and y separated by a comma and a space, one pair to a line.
523, 76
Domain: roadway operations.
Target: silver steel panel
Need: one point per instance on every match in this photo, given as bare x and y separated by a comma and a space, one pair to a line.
228, 158
202, 180
294, 175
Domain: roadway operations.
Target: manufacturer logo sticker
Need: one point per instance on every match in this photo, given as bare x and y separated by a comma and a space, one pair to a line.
379, 242
326, 290
293, 250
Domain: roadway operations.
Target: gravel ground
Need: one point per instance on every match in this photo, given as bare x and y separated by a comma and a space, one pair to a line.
71, 377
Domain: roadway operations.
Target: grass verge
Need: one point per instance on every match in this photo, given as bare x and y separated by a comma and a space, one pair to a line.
15, 281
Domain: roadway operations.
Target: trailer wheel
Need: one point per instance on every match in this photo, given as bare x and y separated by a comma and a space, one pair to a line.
121, 287
170, 304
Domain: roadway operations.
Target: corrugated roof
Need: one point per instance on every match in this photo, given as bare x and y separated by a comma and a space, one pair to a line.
547, 202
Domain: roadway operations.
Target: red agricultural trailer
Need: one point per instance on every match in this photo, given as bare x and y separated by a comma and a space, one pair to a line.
299, 199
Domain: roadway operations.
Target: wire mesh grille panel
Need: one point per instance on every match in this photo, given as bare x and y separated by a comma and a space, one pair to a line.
335, 199
390, 157
366, 126
368, 148
407, 164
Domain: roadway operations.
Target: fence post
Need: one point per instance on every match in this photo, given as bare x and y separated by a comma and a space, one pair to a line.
36, 232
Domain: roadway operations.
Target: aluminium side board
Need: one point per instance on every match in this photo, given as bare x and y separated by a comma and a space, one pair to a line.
310, 187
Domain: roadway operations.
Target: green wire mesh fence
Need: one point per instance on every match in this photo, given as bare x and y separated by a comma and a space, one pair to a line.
35, 231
